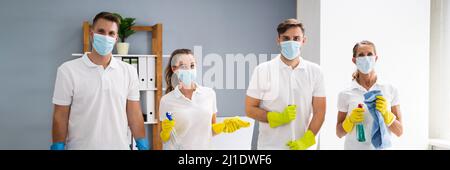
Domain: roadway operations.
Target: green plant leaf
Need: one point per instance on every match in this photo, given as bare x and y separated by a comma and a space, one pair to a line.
125, 27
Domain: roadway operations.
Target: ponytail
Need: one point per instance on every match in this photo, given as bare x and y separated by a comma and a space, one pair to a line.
169, 74
355, 75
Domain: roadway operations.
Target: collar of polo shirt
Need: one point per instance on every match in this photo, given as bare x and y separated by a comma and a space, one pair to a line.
301, 64
198, 89
376, 86
89, 63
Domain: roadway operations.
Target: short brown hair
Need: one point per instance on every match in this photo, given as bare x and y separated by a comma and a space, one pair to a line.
108, 16
289, 23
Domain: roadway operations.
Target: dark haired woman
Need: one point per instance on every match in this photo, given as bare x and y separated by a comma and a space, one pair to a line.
193, 107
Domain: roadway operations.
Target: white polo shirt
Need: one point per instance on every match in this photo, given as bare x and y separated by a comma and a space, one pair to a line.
97, 99
193, 118
349, 99
270, 83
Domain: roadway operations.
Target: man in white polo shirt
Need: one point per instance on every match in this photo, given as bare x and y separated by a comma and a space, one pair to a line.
96, 97
285, 92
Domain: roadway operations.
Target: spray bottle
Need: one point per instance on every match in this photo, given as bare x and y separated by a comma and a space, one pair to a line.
173, 133
360, 129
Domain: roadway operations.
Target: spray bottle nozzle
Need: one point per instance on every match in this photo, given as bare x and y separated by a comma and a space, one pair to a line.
169, 116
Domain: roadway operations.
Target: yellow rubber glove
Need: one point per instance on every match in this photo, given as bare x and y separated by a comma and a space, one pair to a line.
166, 127
303, 143
381, 106
230, 125
356, 116
277, 119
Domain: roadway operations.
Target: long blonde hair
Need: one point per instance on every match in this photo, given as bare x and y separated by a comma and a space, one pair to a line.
355, 74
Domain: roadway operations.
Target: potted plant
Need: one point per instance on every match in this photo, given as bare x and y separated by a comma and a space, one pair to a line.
124, 32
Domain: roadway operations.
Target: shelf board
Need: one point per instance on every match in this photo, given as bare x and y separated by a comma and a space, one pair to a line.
152, 89
128, 55
150, 123
136, 55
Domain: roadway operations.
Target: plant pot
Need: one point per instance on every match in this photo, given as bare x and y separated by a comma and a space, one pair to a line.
122, 48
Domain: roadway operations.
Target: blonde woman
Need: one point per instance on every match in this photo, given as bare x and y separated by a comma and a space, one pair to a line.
378, 114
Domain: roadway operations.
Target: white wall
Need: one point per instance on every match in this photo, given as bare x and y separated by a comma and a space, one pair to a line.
400, 30
440, 70
308, 12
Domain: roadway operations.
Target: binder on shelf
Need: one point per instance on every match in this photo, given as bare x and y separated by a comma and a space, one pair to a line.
134, 63
151, 63
142, 72
148, 107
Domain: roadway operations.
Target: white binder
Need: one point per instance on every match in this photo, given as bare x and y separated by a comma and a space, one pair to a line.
134, 62
142, 72
149, 105
151, 63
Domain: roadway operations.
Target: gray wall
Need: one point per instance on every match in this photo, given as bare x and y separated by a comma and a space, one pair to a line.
37, 36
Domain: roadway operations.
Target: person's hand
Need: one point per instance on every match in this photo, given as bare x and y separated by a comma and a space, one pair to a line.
58, 146
304, 142
381, 106
276, 119
166, 126
230, 125
356, 116
142, 144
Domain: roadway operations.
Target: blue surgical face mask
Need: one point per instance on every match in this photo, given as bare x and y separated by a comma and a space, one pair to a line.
365, 64
290, 49
186, 76
103, 44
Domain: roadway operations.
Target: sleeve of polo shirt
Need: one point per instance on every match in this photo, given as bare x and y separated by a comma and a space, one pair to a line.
214, 105
162, 109
342, 102
253, 86
63, 92
133, 88
319, 85
395, 97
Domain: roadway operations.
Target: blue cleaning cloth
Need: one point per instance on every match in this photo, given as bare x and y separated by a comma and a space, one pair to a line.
380, 136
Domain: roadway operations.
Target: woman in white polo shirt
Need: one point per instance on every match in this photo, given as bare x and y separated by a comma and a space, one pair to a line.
350, 115
193, 107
